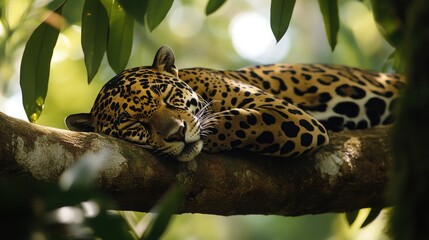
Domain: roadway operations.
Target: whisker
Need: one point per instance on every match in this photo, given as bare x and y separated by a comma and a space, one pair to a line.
206, 107
207, 122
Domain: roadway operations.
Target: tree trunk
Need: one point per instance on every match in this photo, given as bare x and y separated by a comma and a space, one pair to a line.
348, 174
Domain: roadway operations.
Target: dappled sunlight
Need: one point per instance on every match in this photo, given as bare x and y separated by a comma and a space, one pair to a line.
68, 215
360, 42
90, 209
185, 21
18, 8
250, 227
2, 30
66, 47
360, 20
253, 40
209, 227
12, 106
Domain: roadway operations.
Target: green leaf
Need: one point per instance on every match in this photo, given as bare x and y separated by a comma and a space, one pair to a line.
329, 9
281, 13
351, 216
95, 26
213, 5
36, 62
165, 209
109, 226
156, 12
135, 8
372, 215
389, 22
120, 40
367, 3
393, 63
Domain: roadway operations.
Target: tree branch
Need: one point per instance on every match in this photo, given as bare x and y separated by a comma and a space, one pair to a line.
348, 174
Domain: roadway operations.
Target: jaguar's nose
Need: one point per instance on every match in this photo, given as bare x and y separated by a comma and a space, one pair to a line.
168, 126
177, 134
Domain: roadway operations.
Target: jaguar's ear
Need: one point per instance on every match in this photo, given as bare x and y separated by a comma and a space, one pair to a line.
80, 122
164, 60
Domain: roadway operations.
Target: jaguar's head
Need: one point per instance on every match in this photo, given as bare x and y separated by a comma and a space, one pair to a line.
150, 106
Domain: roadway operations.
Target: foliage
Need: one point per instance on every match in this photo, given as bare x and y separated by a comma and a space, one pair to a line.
120, 37
372, 215
281, 13
73, 209
391, 23
165, 210
329, 9
213, 5
95, 26
410, 218
35, 65
116, 41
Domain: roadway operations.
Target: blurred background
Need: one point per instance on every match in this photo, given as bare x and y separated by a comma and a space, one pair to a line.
236, 35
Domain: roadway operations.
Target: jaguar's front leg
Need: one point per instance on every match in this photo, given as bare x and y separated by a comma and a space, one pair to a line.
268, 130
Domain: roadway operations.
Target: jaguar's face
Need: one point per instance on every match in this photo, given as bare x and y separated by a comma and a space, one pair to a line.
159, 112
152, 107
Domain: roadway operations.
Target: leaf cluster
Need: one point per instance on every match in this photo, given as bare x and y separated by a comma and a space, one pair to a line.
107, 29
73, 209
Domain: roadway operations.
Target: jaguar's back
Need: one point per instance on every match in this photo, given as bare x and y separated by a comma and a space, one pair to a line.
338, 96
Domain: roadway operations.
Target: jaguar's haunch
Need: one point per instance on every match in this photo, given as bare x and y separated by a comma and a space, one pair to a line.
281, 110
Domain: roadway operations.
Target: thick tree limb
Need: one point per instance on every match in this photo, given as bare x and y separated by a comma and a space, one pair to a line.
349, 174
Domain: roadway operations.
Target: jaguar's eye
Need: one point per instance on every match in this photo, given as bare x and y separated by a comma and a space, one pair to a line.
125, 121
172, 106
123, 117
143, 124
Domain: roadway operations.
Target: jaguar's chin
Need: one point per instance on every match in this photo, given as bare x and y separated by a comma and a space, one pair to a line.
190, 151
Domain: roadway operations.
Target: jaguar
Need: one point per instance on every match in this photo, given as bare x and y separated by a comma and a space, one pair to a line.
279, 110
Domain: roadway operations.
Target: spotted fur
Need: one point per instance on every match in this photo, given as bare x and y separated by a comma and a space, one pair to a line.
280, 110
